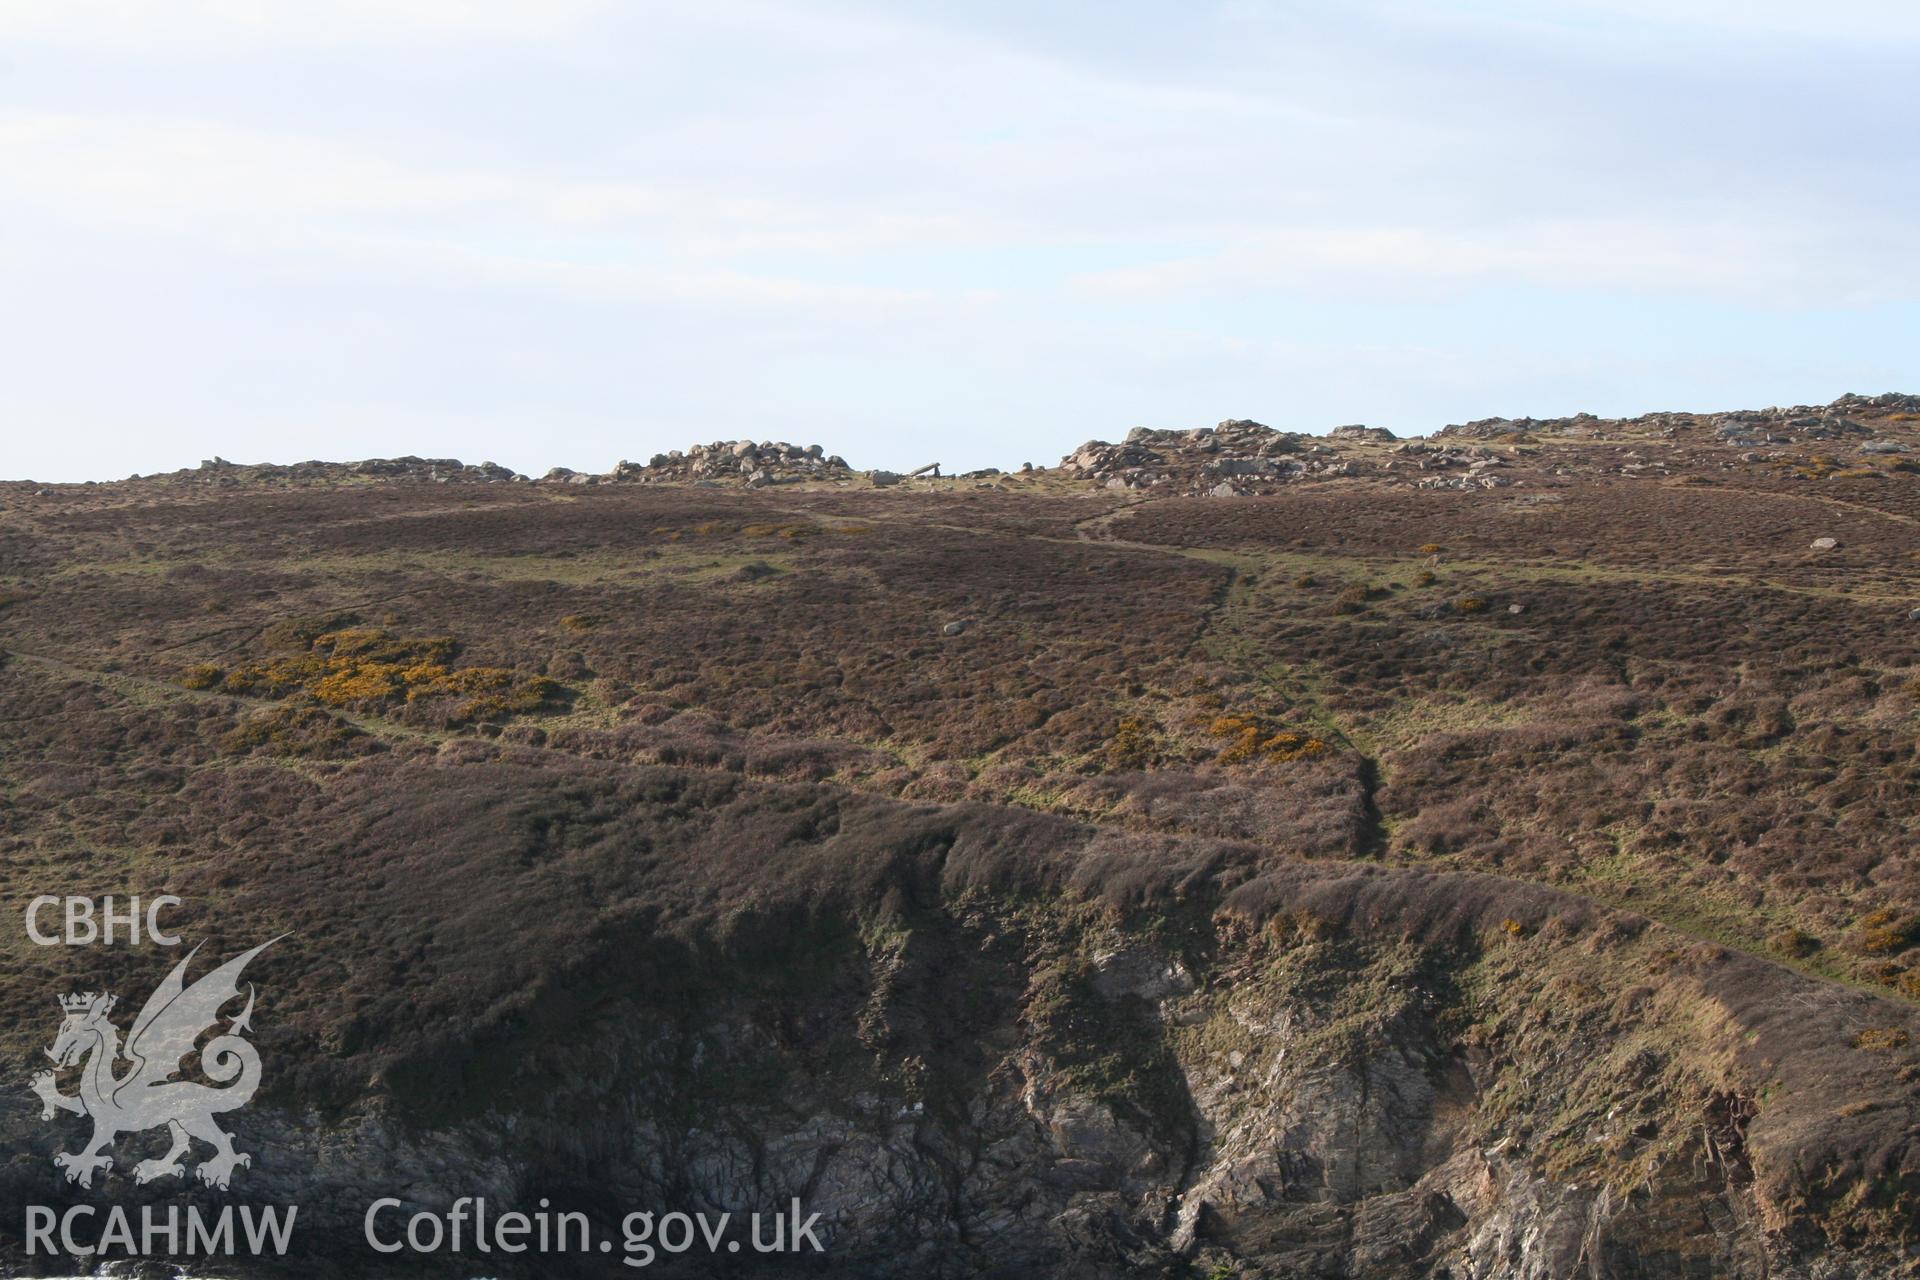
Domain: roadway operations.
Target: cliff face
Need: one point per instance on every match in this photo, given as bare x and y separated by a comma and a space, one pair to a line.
972, 1039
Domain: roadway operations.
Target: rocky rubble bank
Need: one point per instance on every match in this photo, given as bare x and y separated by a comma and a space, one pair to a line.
740, 461
1240, 457
1852, 435
1844, 417
723, 461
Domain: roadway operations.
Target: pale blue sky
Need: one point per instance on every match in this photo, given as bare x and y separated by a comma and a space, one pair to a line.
564, 232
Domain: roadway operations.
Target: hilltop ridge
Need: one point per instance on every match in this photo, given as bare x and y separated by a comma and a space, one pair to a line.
1488, 856
1239, 456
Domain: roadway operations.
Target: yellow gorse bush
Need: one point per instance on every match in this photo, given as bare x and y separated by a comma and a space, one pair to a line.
1249, 740
370, 668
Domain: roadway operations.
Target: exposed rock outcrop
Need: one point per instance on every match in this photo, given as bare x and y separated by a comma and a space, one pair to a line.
737, 461
1241, 457
1238, 456
1212, 1060
219, 471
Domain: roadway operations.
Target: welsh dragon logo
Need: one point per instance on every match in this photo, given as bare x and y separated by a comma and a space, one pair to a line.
146, 1095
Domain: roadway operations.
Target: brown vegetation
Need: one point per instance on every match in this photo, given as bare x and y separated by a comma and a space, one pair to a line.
673, 732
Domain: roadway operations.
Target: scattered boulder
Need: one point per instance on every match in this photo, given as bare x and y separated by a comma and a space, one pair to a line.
1823, 544
955, 628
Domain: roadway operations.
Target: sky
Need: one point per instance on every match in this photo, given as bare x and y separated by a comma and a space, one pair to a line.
567, 232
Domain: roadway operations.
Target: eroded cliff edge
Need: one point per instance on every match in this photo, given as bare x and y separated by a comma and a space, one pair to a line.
984, 1040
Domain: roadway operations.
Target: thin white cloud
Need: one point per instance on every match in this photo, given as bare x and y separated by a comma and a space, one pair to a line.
1877, 21
1753, 262
714, 288
238, 191
269, 187
310, 23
